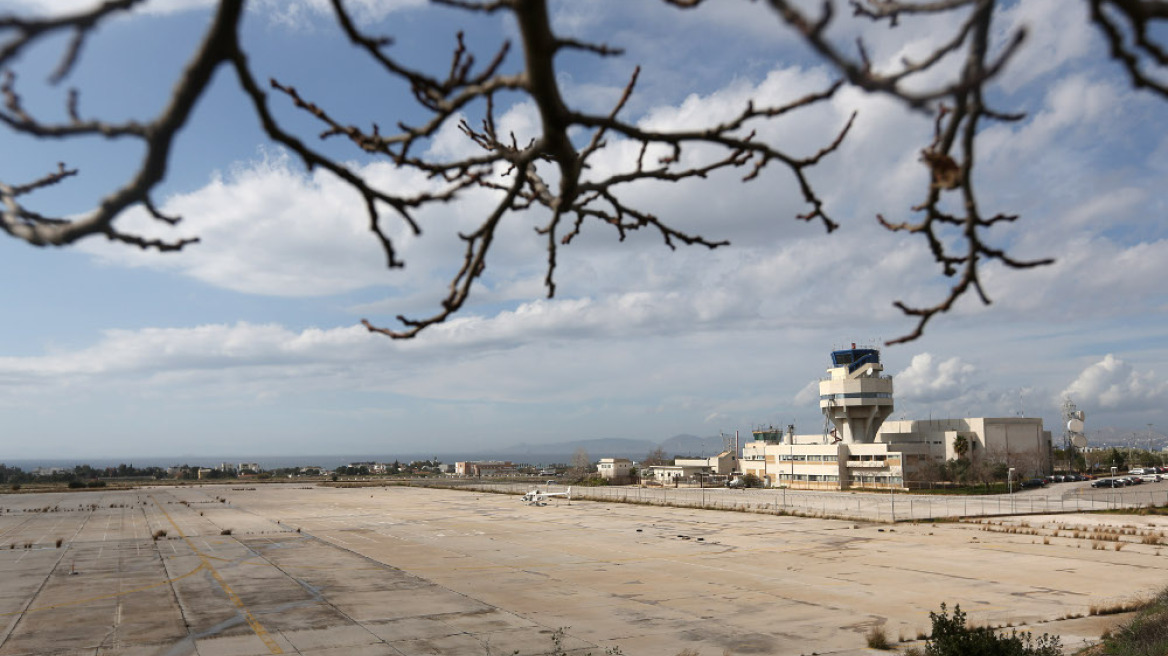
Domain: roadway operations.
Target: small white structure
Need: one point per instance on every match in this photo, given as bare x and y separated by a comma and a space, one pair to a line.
614, 469
485, 468
723, 464
669, 474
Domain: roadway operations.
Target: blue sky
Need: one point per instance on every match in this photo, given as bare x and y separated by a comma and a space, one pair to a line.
248, 343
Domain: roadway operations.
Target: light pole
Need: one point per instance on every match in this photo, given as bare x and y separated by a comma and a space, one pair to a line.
1010, 485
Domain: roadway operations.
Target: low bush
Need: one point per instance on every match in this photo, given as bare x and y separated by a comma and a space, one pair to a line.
877, 638
1145, 635
952, 636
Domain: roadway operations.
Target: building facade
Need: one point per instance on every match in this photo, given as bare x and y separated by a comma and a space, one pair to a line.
477, 468
865, 451
614, 469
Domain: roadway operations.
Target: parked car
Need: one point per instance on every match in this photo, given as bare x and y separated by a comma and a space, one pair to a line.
1032, 482
1152, 478
1107, 482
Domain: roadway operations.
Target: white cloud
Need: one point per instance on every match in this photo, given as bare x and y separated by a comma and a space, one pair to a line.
209, 352
266, 228
1057, 34
928, 380
64, 7
641, 339
1115, 385
293, 13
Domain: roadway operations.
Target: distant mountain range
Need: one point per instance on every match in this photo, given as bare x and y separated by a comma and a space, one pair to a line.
611, 447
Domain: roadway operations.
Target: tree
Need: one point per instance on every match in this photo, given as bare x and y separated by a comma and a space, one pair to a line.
656, 457
1117, 459
960, 446
581, 462
555, 173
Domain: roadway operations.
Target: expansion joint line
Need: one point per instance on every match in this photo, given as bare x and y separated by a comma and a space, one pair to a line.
255, 625
28, 605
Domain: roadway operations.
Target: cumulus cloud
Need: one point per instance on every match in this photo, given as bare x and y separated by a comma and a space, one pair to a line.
293, 13
209, 354
1057, 34
267, 228
1113, 384
728, 336
65, 7
931, 380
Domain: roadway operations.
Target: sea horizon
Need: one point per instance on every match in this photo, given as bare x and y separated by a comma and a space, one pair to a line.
269, 462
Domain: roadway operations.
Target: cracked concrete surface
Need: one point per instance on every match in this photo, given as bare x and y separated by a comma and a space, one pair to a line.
303, 570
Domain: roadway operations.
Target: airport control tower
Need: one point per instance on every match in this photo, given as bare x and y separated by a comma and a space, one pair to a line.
856, 397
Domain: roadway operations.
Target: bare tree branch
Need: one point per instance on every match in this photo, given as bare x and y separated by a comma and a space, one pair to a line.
1125, 25
554, 172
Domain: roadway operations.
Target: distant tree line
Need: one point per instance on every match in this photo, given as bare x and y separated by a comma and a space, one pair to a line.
16, 475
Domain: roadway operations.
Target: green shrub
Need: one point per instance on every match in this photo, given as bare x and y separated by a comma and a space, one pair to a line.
953, 637
73, 485
1145, 635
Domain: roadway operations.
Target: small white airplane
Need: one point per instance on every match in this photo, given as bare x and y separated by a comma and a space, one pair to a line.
538, 497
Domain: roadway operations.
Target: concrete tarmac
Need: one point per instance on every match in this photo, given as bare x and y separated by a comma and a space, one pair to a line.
270, 569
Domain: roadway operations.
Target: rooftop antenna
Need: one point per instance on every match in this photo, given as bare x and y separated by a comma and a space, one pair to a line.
1073, 437
730, 442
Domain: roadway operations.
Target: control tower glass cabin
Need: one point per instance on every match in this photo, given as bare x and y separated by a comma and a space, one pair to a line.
856, 397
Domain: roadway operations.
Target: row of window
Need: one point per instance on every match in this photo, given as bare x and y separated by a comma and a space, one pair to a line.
809, 477
785, 457
855, 395
881, 479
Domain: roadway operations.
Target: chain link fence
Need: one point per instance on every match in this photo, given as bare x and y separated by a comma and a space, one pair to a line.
872, 506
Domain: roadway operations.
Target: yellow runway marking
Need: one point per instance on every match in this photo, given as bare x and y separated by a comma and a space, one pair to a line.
255, 625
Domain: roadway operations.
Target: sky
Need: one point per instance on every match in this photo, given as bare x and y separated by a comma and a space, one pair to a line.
249, 342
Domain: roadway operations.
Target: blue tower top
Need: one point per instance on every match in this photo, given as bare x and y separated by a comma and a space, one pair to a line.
854, 358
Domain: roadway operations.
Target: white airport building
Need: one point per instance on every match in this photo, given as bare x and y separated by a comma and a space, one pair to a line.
614, 469
863, 450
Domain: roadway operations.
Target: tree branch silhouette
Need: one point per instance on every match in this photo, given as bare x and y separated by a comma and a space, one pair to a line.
554, 172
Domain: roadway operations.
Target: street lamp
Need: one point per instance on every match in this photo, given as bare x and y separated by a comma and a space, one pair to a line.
1010, 483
